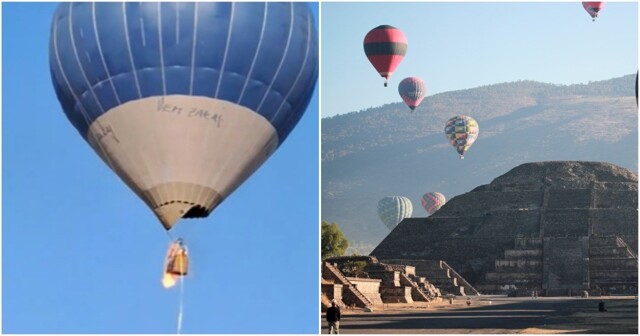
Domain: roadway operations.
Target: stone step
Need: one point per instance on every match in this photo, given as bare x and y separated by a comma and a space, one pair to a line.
518, 263
416, 293
439, 282
525, 269
465, 287
419, 279
613, 263
614, 274
332, 272
396, 294
608, 283
507, 287
613, 282
602, 241
356, 297
516, 254
610, 252
523, 281
513, 277
522, 242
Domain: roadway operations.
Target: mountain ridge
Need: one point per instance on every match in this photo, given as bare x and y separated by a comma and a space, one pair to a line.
615, 87
387, 150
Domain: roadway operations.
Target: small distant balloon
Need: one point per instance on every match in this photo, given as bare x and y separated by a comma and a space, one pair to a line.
412, 90
593, 8
385, 47
432, 201
393, 209
462, 131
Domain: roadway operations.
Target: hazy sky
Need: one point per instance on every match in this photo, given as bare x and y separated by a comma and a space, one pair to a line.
455, 46
82, 254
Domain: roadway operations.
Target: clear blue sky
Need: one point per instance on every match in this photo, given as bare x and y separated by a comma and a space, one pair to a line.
82, 254
455, 46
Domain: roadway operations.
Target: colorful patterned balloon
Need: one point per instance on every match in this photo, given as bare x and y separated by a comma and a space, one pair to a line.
462, 132
432, 201
393, 209
412, 90
385, 47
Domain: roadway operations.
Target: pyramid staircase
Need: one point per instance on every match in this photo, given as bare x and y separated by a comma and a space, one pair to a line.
442, 277
613, 266
418, 293
351, 296
519, 273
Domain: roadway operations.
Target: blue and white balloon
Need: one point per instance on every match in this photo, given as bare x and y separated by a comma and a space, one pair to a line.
393, 209
184, 101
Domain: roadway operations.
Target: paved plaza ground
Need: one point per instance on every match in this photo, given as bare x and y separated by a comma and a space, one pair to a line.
497, 315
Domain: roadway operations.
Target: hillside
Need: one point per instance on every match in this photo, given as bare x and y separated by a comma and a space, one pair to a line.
387, 150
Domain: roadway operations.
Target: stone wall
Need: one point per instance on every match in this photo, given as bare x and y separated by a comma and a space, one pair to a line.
509, 223
613, 266
406, 269
606, 222
333, 292
514, 254
566, 222
369, 288
352, 297
609, 263
522, 242
568, 199
519, 273
518, 265
456, 239
396, 294
616, 199
388, 278
565, 265
474, 203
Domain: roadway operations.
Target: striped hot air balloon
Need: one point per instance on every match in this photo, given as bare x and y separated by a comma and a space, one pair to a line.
462, 132
593, 8
184, 101
412, 90
385, 47
393, 209
432, 201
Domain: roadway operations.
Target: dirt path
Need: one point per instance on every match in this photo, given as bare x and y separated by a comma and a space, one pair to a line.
497, 315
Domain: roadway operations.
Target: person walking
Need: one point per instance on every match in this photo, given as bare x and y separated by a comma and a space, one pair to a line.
333, 317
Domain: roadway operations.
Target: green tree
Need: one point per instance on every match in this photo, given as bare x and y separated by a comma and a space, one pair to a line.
355, 269
334, 243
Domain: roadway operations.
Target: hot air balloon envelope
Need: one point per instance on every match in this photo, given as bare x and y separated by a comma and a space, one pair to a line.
462, 132
184, 101
412, 90
393, 209
385, 47
593, 8
432, 201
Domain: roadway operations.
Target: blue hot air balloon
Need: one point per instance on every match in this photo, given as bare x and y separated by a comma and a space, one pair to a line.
184, 101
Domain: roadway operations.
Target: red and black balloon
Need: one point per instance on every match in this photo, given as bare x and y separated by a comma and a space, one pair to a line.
385, 47
593, 8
